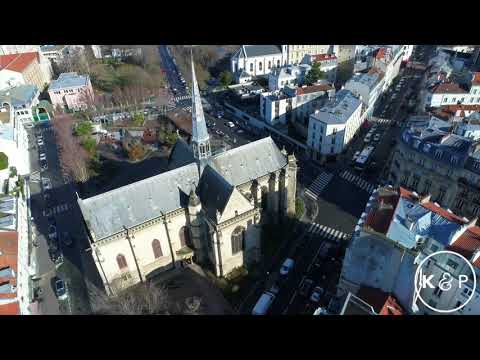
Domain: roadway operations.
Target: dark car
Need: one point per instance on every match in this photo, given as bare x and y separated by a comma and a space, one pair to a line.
43, 164
67, 239
60, 289
305, 287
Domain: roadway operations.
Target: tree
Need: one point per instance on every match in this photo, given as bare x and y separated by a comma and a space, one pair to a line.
138, 119
74, 159
136, 151
83, 129
314, 74
3, 161
226, 78
299, 207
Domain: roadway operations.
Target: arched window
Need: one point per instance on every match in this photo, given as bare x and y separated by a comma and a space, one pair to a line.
269, 64
184, 236
278, 63
251, 67
260, 66
121, 261
157, 249
238, 240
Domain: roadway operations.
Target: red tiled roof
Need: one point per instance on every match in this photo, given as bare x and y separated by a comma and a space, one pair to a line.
323, 57
449, 88
454, 108
8, 258
313, 88
476, 78
381, 54
467, 243
17, 62
383, 303
432, 207
10, 309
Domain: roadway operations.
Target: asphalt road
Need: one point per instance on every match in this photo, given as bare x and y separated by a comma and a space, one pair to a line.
78, 265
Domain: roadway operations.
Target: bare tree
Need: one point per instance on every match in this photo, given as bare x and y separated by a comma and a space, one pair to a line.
141, 299
74, 159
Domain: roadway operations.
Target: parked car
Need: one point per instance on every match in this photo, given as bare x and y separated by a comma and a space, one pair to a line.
355, 156
230, 124
263, 304
367, 138
67, 239
40, 142
60, 289
286, 266
305, 287
376, 137
46, 183
43, 156
52, 232
43, 164
317, 294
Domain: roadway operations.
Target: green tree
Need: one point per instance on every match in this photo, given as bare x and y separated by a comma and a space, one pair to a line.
90, 145
138, 119
314, 74
84, 128
299, 207
3, 161
226, 78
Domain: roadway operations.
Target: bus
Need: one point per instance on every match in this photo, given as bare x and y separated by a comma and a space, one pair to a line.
363, 158
263, 304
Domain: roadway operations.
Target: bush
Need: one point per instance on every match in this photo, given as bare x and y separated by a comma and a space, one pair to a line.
299, 207
3, 161
89, 144
84, 128
138, 119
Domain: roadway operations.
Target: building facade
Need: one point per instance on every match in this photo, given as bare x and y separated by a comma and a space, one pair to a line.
71, 91
452, 94
331, 128
293, 104
297, 54
258, 60
22, 68
287, 75
368, 86
208, 207
440, 163
397, 231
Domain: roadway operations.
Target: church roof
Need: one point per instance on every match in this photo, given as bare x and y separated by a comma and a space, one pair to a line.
214, 192
248, 162
180, 155
262, 50
134, 204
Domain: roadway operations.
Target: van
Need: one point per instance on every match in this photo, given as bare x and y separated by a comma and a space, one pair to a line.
263, 304
286, 266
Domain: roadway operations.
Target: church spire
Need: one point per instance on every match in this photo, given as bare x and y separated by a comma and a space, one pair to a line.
200, 137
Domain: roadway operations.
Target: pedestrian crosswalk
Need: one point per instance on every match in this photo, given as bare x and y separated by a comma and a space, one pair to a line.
357, 181
56, 210
317, 186
327, 232
183, 97
382, 121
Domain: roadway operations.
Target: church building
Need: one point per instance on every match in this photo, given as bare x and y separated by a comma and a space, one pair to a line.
208, 207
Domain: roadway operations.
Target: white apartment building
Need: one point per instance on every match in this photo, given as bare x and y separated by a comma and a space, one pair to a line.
293, 104
23, 98
331, 128
258, 60
389, 60
452, 94
297, 54
368, 87
57, 53
288, 75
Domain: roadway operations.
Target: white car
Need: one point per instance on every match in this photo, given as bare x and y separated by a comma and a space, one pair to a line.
286, 266
230, 124
376, 137
40, 142
47, 184
43, 156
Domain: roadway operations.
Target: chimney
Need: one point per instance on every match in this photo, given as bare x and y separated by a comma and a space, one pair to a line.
425, 199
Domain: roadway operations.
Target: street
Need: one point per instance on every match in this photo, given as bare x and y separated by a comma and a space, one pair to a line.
58, 207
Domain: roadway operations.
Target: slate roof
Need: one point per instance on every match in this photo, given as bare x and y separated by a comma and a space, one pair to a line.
261, 50
214, 192
134, 204
339, 110
19, 95
180, 155
67, 80
249, 161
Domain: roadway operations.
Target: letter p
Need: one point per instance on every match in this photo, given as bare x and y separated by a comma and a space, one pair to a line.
462, 279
